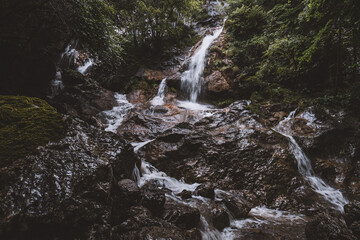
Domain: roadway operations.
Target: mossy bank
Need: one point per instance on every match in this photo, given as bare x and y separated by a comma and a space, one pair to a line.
25, 124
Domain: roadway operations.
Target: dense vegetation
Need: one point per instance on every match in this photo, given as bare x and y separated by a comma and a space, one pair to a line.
305, 48
119, 33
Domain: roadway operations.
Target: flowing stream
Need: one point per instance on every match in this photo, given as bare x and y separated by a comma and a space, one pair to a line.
191, 79
159, 98
332, 195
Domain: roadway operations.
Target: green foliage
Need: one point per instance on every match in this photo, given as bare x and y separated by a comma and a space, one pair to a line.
297, 44
26, 123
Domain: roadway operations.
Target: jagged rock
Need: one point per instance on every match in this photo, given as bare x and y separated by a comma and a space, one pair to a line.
220, 218
232, 150
138, 96
142, 225
84, 101
216, 83
180, 214
129, 190
62, 190
327, 227
153, 198
205, 190
239, 209
72, 77
150, 75
352, 217
185, 194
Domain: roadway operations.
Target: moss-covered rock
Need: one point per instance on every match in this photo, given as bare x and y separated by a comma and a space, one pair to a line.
26, 123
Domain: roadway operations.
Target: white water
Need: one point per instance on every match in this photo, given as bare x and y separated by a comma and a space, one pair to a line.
260, 216
57, 85
159, 98
332, 195
86, 67
116, 115
191, 79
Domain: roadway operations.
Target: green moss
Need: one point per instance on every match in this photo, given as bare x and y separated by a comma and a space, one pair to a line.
26, 123
143, 85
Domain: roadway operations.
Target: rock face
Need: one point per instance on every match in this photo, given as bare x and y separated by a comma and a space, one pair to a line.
327, 227
234, 151
150, 75
84, 99
63, 190
216, 84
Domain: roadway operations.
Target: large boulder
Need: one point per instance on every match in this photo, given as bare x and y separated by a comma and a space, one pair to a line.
216, 84
181, 215
63, 190
150, 75
352, 217
327, 227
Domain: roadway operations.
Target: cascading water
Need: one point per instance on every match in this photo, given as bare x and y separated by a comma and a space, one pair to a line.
191, 79
332, 195
86, 67
116, 116
159, 98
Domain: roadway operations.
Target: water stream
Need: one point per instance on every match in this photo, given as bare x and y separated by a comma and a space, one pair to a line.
116, 115
191, 82
159, 98
332, 195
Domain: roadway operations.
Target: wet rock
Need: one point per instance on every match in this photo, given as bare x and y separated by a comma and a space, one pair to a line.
185, 194
174, 81
352, 217
138, 96
327, 227
193, 234
216, 83
239, 209
220, 218
205, 190
150, 75
129, 189
142, 225
72, 77
84, 101
300, 126
232, 150
153, 198
160, 109
63, 189
182, 215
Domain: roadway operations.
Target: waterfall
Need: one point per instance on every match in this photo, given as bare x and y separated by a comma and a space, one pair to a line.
159, 98
85, 68
191, 79
332, 195
116, 115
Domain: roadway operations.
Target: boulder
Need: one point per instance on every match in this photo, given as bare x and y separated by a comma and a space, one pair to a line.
327, 227
72, 77
220, 218
62, 190
205, 190
352, 217
153, 198
150, 75
181, 215
216, 83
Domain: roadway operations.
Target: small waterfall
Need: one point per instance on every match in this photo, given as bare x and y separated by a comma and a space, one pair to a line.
86, 67
191, 79
159, 98
57, 85
116, 115
332, 195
